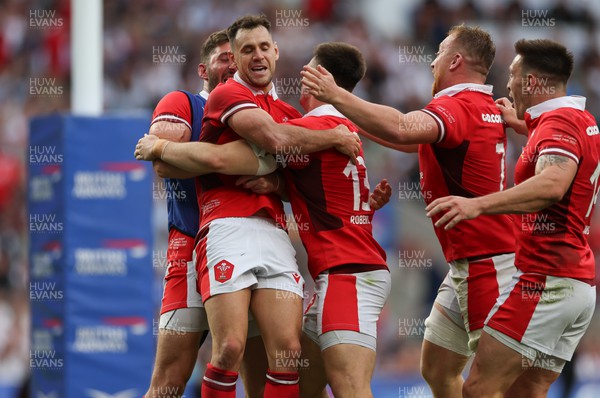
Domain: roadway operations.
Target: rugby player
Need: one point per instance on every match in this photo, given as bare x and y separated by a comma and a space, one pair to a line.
244, 256
461, 142
330, 200
538, 321
183, 324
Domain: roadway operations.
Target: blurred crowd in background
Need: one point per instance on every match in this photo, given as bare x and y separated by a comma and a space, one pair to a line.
152, 47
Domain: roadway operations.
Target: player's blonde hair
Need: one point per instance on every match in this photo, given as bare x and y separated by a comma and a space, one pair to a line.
476, 44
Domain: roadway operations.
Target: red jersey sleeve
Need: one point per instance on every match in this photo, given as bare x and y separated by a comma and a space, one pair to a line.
227, 99
449, 115
175, 108
558, 137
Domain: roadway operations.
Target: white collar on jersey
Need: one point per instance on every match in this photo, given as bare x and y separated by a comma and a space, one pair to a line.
272, 92
457, 88
325, 110
569, 101
203, 94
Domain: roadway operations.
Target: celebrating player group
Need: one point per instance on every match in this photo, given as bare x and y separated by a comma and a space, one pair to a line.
518, 295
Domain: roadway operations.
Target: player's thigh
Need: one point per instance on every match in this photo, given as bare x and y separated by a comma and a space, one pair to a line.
180, 330
254, 367
279, 319
496, 366
176, 353
349, 363
446, 335
440, 363
532, 383
348, 332
312, 376
228, 316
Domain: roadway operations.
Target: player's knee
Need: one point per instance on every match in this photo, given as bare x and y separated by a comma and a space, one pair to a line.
290, 346
347, 384
229, 353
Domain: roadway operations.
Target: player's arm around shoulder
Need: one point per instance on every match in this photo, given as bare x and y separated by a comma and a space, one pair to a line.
172, 132
199, 158
258, 126
383, 124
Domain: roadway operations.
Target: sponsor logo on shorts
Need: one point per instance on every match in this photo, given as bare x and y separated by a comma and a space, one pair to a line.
223, 271
296, 277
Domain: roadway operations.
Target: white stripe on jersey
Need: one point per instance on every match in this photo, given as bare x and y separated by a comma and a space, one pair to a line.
170, 118
235, 108
561, 151
440, 123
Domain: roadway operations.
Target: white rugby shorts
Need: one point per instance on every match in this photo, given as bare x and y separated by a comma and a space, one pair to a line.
238, 253
345, 308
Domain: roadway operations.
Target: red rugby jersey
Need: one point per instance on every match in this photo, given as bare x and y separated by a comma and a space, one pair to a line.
467, 160
175, 107
330, 200
218, 196
553, 241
